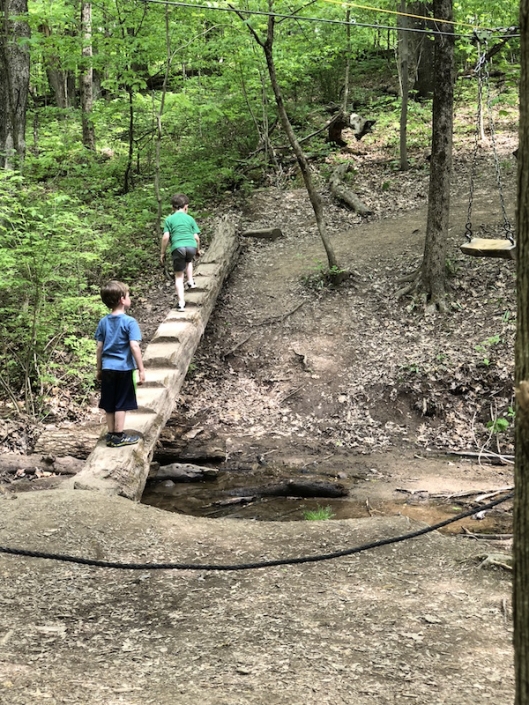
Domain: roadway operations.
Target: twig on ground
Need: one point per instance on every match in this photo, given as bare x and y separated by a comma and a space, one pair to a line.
487, 455
281, 318
292, 393
486, 537
239, 345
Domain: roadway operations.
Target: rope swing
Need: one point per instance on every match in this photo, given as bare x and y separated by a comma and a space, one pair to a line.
505, 247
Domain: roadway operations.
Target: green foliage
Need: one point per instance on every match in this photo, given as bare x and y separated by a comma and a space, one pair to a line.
484, 348
48, 256
498, 425
319, 514
323, 277
501, 424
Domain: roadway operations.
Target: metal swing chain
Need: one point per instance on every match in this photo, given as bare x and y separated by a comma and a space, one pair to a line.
507, 227
477, 71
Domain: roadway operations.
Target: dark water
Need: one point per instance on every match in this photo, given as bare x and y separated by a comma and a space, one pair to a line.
217, 499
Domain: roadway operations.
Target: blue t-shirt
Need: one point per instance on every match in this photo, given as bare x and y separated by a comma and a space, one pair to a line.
116, 331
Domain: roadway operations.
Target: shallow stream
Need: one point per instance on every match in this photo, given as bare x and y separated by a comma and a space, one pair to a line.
222, 496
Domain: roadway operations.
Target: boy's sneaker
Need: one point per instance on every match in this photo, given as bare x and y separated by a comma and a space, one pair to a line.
191, 285
125, 439
181, 307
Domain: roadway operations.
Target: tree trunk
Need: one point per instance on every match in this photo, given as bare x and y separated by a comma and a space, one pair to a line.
159, 115
404, 90
127, 178
421, 50
345, 101
433, 270
89, 139
14, 82
521, 475
57, 78
303, 163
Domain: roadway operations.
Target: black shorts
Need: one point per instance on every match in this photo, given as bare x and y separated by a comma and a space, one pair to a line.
117, 391
182, 256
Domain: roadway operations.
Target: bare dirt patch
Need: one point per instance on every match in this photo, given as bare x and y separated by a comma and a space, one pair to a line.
420, 620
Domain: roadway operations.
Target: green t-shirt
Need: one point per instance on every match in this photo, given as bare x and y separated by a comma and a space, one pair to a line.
181, 228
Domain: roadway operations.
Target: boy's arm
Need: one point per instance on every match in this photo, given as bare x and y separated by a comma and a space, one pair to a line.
99, 358
165, 243
136, 354
197, 240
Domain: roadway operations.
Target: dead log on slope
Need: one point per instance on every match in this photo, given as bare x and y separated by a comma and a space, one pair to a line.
264, 233
294, 488
13, 464
340, 191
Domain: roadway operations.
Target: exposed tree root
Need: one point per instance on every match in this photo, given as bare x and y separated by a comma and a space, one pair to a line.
431, 303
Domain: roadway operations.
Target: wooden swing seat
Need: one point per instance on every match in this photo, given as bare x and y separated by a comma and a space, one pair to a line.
487, 247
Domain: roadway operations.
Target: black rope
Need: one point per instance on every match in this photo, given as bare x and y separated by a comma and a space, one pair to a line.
251, 566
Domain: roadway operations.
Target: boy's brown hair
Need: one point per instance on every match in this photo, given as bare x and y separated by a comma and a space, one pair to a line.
179, 200
112, 293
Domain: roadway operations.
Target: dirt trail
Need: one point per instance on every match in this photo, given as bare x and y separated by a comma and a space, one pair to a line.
415, 621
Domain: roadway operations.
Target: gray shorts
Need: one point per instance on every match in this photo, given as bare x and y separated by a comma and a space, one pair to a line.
182, 256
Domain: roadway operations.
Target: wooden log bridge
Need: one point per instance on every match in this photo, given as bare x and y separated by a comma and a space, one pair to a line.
167, 357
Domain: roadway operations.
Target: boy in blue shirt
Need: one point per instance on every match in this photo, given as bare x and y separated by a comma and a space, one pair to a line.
118, 356
181, 232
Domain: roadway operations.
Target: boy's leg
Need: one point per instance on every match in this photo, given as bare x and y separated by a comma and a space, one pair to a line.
189, 273
125, 399
119, 421
111, 421
179, 285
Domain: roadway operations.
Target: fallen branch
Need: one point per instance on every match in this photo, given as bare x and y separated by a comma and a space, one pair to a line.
281, 317
293, 488
340, 191
487, 455
291, 394
486, 537
469, 493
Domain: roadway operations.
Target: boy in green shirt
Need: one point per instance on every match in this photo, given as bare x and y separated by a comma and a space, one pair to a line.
182, 233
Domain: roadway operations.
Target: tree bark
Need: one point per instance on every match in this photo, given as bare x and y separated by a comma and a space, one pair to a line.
89, 138
57, 78
14, 81
404, 83
521, 473
303, 163
345, 101
433, 270
78, 443
264, 233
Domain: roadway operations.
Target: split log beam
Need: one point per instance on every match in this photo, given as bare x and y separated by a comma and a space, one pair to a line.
340, 191
167, 357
